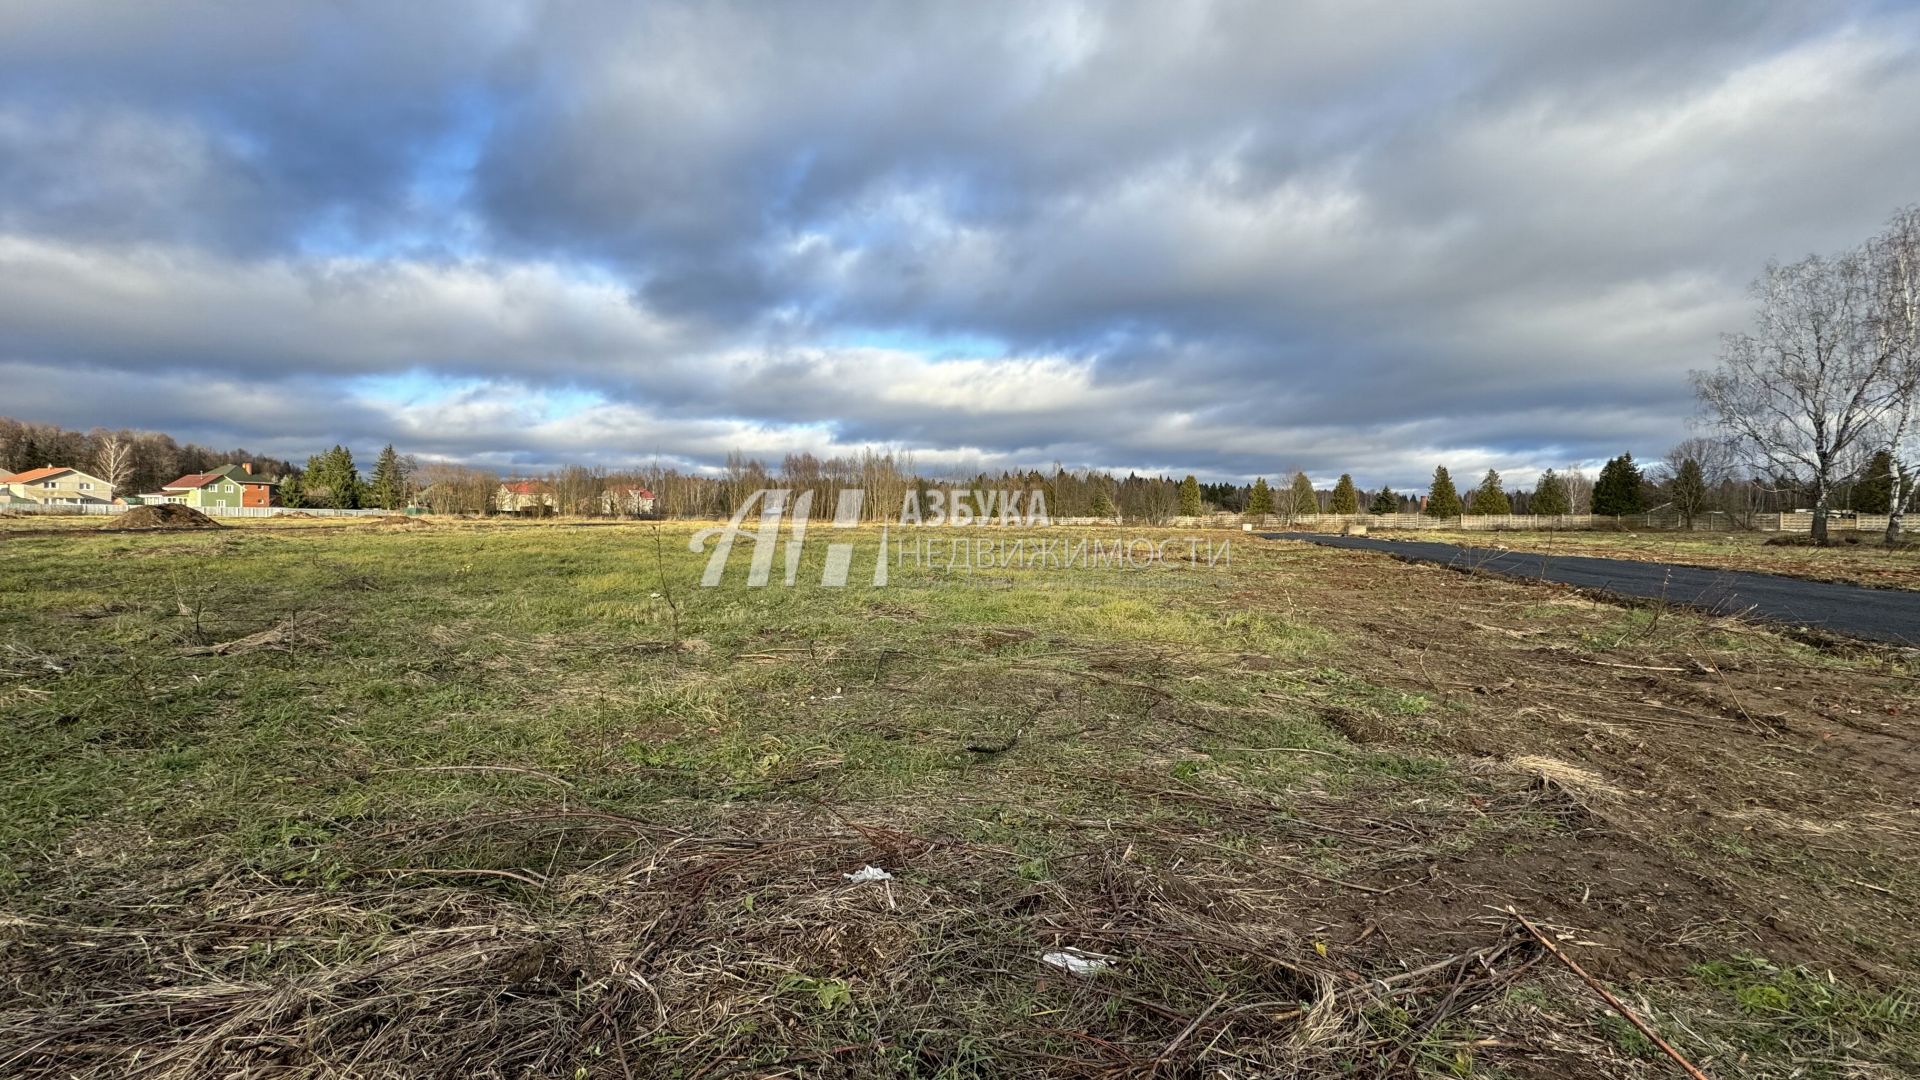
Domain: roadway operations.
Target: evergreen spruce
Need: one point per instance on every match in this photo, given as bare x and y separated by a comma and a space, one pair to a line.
1874, 493
1617, 491
1688, 493
1304, 499
1346, 500
1190, 497
332, 480
1386, 502
1442, 500
1490, 497
388, 489
1260, 499
1550, 497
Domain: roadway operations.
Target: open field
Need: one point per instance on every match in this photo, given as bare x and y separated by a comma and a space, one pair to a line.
1859, 558
307, 798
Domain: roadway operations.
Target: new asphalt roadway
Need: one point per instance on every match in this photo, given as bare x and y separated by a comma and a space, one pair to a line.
1891, 615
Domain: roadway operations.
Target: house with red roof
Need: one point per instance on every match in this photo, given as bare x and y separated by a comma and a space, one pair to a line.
54, 485
224, 488
626, 502
525, 497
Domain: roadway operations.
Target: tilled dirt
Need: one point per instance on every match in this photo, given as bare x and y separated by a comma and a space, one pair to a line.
1734, 794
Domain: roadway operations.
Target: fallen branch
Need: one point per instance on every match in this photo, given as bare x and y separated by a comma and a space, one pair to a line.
1606, 995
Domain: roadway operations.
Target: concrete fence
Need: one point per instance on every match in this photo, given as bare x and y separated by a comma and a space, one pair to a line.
107, 509
1660, 520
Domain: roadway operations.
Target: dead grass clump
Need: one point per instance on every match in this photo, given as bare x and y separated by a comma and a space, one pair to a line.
295, 634
452, 949
1582, 783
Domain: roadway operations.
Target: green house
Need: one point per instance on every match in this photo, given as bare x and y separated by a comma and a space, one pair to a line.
227, 487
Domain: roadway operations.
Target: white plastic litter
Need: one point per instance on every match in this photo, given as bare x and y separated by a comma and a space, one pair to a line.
866, 874
1075, 962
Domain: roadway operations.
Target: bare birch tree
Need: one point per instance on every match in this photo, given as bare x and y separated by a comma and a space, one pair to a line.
1895, 258
1806, 389
113, 460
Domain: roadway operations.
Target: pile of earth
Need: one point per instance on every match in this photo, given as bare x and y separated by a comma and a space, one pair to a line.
162, 516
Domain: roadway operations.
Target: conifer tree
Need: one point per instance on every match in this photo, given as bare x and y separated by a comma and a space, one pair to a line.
1345, 499
1386, 502
332, 479
1102, 505
1688, 492
1550, 496
1617, 491
1442, 500
1490, 497
1874, 493
1260, 499
388, 490
1304, 499
1190, 496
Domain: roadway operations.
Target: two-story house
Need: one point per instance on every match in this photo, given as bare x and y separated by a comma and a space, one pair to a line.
226, 487
55, 485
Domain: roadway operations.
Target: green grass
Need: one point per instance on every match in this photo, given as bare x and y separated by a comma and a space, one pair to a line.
458, 650
1790, 1011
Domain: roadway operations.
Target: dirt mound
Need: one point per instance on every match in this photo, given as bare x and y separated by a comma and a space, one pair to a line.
162, 516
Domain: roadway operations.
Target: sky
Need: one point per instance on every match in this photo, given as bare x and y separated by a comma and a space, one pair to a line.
1233, 239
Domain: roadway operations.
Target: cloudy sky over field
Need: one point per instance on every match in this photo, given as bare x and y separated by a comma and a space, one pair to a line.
1231, 239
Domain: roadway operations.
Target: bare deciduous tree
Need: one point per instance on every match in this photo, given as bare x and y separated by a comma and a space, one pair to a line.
1804, 391
1895, 260
113, 460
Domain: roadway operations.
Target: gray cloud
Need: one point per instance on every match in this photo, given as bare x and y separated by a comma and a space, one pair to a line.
1229, 237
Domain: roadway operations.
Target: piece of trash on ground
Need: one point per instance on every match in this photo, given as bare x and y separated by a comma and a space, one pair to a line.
868, 873
1076, 962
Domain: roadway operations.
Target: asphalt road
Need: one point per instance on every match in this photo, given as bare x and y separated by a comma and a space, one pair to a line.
1891, 615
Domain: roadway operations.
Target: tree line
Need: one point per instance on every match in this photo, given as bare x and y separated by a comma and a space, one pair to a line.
1700, 476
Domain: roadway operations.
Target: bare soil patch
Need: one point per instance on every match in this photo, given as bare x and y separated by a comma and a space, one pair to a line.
1698, 758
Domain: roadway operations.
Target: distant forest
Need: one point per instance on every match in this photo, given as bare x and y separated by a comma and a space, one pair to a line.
332, 478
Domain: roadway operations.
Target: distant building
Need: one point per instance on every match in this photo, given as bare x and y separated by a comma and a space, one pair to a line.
225, 488
626, 502
54, 485
525, 497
